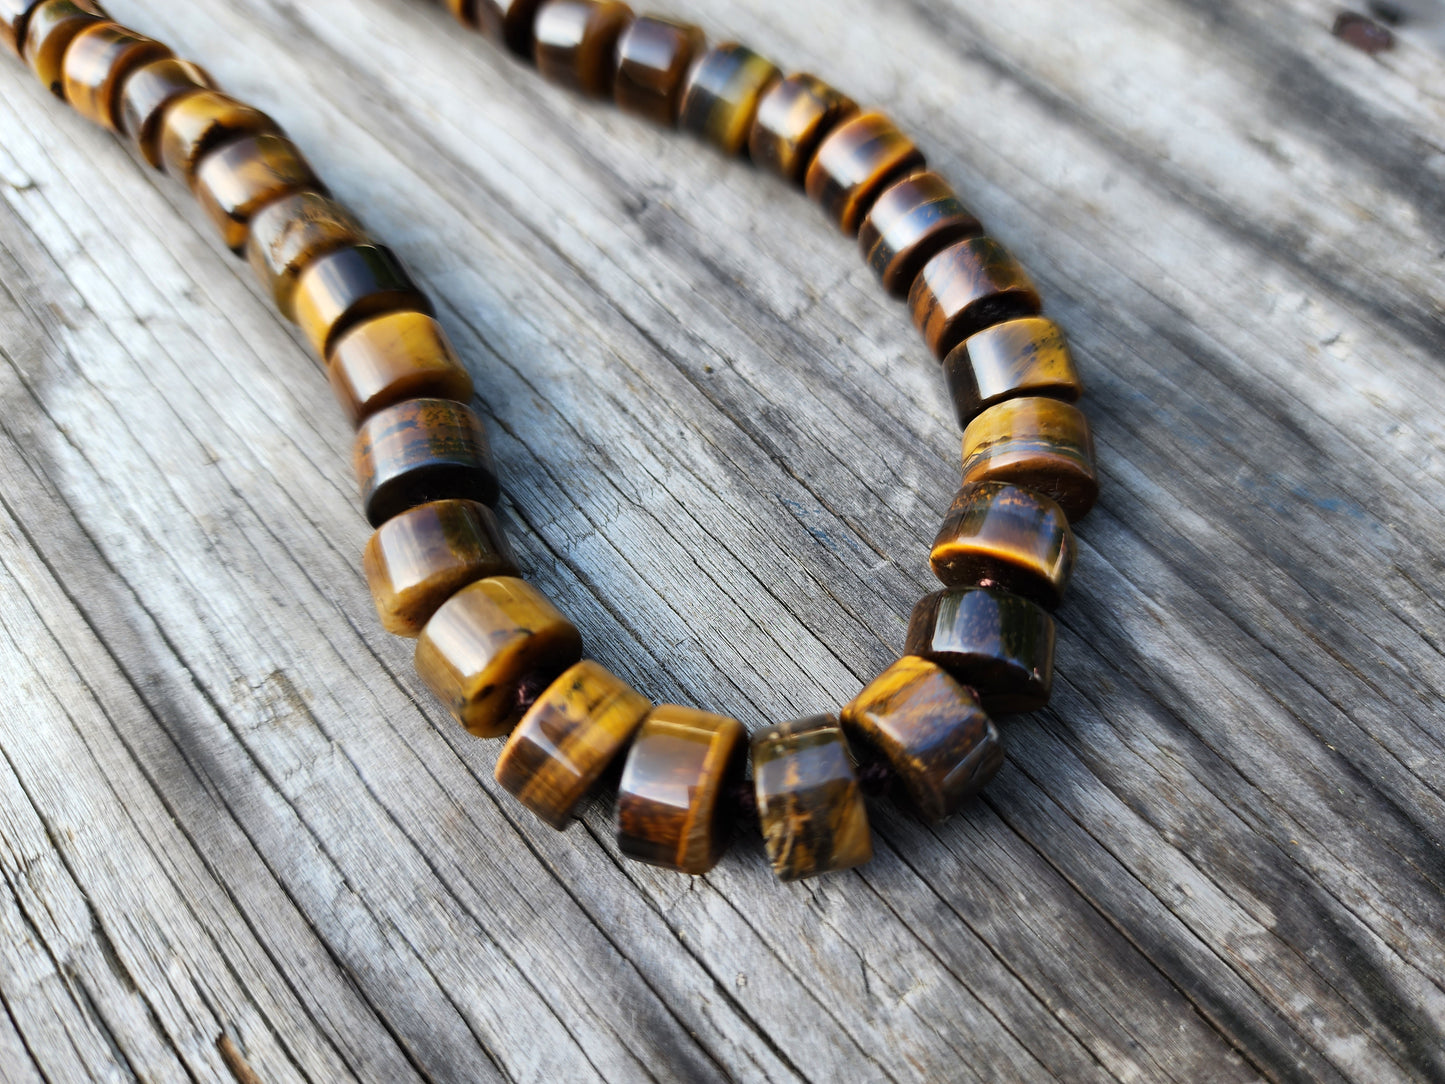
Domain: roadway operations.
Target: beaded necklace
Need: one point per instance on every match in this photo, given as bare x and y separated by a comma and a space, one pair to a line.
502, 658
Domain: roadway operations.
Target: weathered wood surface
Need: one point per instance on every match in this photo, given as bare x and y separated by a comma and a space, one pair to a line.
234, 831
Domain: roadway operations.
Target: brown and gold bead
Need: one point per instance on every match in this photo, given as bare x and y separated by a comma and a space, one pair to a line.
653, 56
402, 355
722, 93
792, 119
236, 180
288, 234
145, 94
422, 450
338, 290
855, 162
98, 62
1000, 535
1028, 356
193, 125
1037, 443
970, 285
999, 644
507, 22
13, 15
576, 43
907, 226
50, 27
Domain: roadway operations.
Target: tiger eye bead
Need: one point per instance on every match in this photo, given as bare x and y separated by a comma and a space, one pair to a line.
236, 180
855, 162
337, 291
722, 95
145, 94
568, 738
671, 810
999, 535
1039, 444
1021, 357
403, 355
488, 645
507, 22
930, 730
652, 60
907, 226
969, 286
998, 644
793, 117
288, 234
810, 805
576, 43
419, 559
98, 62
13, 15
50, 27
422, 450
193, 125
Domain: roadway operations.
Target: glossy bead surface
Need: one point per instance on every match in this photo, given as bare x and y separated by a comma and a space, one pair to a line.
422, 450
13, 15
194, 124
671, 805
1021, 357
970, 285
930, 730
98, 62
337, 291
288, 234
1039, 444
145, 94
855, 162
416, 561
49, 29
488, 645
508, 22
998, 644
402, 355
909, 223
576, 43
999, 535
653, 56
810, 805
236, 180
793, 117
567, 739
722, 95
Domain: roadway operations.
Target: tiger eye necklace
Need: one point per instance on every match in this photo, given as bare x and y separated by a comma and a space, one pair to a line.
502, 658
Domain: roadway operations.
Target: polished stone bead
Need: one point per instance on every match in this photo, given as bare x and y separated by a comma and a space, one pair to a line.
968, 286
999, 535
422, 450
147, 92
793, 117
930, 730
490, 648
236, 180
193, 125
855, 162
50, 27
1021, 357
416, 561
289, 233
810, 805
1037, 443
998, 644
909, 223
567, 739
672, 801
98, 62
576, 43
402, 355
337, 291
13, 15
507, 22
722, 95
653, 56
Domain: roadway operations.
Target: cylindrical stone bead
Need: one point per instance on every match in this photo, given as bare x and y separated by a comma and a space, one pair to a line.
810, 806
490, 648
722, 95
422, 450
507, 22
671, 808
414, 562
1000, 535
49, 29
576, 43
402, 355
998, 644
337, 291
463, 11
147, 92
908, 224
792, 119
193, 125
288, 234
1037, 443
653, 56
967, 287
236, 180
97, 64
1029, 356
855, 162
567, 739
930, 730
13, 15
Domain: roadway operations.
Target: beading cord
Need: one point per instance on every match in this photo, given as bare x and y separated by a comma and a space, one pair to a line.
503, 659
